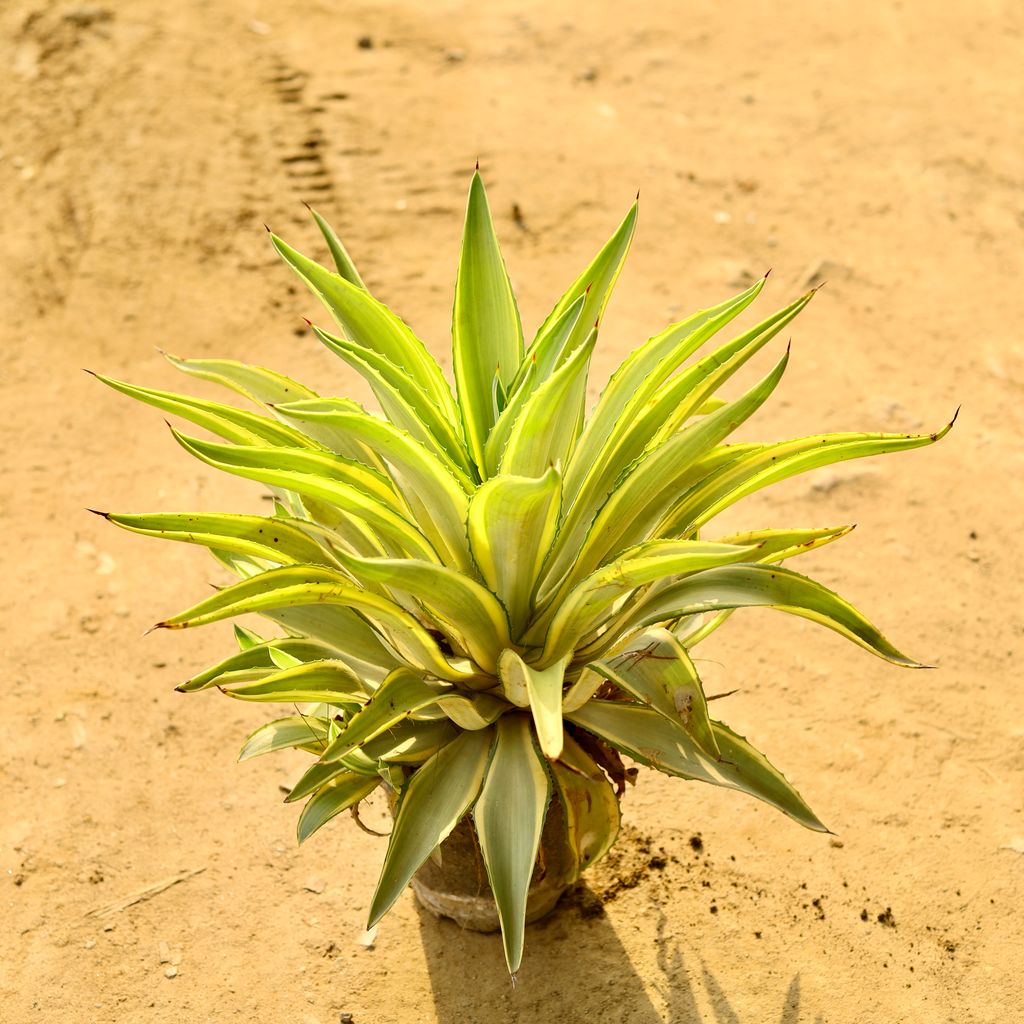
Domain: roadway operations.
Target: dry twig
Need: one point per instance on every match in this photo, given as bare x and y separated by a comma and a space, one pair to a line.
144, 894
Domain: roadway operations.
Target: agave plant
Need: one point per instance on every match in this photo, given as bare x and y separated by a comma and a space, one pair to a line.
488, 596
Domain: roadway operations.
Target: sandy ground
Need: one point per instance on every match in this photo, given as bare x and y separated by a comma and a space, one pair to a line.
143, 145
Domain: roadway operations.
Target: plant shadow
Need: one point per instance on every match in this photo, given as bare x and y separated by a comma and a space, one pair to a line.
575, 970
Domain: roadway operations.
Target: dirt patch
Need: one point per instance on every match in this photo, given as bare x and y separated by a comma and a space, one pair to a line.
635, 860
142, 149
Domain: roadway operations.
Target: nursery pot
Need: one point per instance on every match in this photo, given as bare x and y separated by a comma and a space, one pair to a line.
453, 883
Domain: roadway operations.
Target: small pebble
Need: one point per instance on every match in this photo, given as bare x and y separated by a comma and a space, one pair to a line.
171, 972
365, 43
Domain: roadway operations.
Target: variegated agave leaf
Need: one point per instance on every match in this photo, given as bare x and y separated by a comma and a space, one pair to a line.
480, 587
